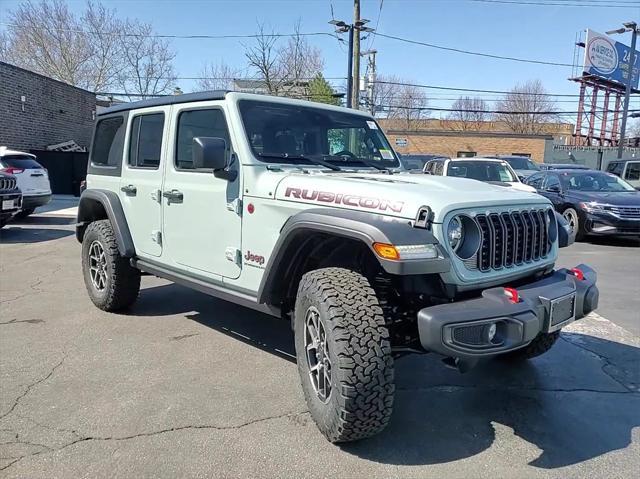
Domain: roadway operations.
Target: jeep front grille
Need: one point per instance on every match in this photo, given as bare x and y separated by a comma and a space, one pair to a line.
513, 238
7, 184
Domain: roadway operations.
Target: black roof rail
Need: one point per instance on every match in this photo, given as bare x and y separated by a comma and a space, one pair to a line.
166, 100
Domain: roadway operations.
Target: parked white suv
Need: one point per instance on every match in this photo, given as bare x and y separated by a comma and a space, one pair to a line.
293, 208
33, 179
489, 170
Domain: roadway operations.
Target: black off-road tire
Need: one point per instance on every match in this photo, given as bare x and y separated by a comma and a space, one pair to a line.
542, 343
360, 402
122, 284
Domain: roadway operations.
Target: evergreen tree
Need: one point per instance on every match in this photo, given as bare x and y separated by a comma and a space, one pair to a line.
321, 91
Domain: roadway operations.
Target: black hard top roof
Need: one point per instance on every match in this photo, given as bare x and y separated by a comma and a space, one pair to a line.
167, 100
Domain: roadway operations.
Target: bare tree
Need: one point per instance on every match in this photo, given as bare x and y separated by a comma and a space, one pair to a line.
385, 89
44, 38
470, 114
264, 58
527, 108
218, 76
147, 62
410, 105
299, 61
95, 50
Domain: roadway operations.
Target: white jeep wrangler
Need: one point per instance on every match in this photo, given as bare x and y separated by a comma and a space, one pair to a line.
300, 210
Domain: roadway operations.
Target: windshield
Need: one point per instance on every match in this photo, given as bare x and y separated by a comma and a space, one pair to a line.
481, 170
283, 133
594, 181
522, 164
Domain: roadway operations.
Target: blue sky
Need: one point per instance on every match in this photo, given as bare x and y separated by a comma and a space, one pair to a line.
527, 31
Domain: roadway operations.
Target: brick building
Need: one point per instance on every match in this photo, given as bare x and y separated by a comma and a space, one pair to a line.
448, 138
37, 111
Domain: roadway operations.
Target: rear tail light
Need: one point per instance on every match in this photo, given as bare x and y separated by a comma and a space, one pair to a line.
12, 171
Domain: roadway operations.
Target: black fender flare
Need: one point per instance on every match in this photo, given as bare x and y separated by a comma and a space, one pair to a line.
365, 227
89, 211
565, 237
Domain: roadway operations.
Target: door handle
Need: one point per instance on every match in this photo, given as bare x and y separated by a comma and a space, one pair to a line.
130, 190
174, 196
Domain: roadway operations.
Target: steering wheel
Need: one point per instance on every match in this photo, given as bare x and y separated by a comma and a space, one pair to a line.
345, 153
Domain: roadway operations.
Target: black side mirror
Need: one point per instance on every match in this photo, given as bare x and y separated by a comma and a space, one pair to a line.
554, 189
209, 153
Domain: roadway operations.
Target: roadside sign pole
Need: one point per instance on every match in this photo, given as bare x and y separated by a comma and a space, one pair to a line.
627, 92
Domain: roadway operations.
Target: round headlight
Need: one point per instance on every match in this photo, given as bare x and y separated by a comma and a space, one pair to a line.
455, 233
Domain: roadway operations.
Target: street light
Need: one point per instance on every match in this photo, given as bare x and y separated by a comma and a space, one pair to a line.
633, 28
343, 27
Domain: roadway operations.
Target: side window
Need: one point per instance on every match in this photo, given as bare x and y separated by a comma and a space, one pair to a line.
616, 168
107, 142
633, 172
427, 167
195, 123
552, 181
536, 180
438, 168
145, 142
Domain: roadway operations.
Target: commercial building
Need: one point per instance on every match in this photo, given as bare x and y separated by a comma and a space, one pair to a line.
456, 139
40, 113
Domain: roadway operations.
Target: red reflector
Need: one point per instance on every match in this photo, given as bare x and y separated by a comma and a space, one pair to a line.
578, 274
251, 208
512, 294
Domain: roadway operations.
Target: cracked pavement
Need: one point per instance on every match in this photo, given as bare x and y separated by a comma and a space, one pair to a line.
189, 386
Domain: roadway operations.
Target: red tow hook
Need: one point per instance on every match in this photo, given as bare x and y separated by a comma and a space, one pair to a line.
512, 294
577, 273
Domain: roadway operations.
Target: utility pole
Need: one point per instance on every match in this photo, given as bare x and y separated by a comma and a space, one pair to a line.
371, 78
633, 28
354, 29
356, 56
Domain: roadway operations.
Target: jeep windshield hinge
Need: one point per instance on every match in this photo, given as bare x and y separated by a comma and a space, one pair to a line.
233, 254
235, 206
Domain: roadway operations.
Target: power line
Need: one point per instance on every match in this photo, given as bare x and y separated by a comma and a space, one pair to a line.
502, 112
576, 3
373, 36
468, 52
191, 37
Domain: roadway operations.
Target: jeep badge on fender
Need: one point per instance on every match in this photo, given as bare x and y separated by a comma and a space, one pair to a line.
367, 261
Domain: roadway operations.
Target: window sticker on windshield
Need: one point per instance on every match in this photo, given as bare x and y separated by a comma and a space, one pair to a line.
372, 125
386, 154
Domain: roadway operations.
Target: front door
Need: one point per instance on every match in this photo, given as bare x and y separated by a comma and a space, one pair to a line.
142, 178
201, 216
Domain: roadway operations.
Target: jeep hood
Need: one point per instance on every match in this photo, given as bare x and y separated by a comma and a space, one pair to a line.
399, 195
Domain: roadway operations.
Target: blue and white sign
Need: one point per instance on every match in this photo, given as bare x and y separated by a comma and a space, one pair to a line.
608, 59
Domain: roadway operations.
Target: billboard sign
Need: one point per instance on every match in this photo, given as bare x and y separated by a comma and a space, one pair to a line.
607, 59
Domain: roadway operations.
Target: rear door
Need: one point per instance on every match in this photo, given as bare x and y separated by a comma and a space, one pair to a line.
141, 178
32, 178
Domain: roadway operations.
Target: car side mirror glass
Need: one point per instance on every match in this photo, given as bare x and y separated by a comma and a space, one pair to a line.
209, 153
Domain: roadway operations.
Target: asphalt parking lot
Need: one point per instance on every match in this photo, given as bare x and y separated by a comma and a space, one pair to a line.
189, 386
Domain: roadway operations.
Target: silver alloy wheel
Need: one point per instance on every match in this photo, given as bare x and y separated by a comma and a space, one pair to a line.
572, 219
98, 266
317, 354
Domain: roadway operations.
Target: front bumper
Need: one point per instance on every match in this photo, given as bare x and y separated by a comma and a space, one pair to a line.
606, 224
16, 198
460, 330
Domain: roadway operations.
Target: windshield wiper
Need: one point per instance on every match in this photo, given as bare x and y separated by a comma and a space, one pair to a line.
310, 159
364, 161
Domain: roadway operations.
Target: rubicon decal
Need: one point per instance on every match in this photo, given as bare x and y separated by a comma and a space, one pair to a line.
342, 199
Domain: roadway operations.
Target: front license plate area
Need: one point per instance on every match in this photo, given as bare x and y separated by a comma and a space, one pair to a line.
562, 311
8, 204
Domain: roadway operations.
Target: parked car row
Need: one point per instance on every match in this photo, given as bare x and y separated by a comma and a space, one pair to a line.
592, 202
24, 184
